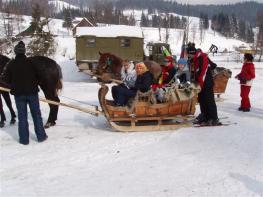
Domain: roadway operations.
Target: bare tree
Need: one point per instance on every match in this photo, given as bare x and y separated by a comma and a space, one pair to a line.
167, 27
259, 43
194, 32
8, 21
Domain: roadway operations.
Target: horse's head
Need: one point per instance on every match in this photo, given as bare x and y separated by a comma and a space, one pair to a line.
109, 63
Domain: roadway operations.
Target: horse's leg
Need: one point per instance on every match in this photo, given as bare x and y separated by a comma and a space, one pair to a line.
8, 102
3, 119
53, 113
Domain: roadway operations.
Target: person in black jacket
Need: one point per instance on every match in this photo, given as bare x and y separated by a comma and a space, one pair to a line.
143, 83
22, 76
203, 76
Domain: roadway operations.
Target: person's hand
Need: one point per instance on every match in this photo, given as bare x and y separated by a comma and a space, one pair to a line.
243, 80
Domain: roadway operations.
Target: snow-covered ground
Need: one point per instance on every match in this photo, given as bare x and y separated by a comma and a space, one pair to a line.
84, 156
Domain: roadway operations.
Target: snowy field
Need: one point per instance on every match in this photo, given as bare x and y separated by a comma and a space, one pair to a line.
83, 156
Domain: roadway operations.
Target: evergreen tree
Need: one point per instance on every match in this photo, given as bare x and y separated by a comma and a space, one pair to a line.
43, 45
233, 25
67, 19
144, 20
155, 21
250, 34
36, 14
172, 21
206, 21
259, 45
241, 30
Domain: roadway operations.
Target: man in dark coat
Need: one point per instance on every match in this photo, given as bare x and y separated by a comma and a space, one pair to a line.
203, 76
22, 76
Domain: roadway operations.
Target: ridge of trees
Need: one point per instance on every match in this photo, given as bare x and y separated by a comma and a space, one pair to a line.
158, 14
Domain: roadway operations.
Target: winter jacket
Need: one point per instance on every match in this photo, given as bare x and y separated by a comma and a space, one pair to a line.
166, 76
21, 74
183, 75
202, 70
128, 78
143, 82
247, 74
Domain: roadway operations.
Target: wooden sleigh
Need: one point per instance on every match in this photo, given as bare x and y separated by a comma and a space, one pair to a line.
143, 114
221, 76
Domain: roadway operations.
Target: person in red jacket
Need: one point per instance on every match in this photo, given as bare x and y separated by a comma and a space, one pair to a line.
167, 74
246, 77
165, 78
203, 76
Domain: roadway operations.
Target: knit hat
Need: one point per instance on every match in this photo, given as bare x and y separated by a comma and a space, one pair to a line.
182, 61
169, 59
191, 48
20, 48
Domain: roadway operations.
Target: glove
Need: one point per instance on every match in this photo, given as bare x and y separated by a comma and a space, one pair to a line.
187, 84
242, 80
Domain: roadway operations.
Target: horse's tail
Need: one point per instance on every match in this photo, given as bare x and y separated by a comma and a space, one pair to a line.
59, 84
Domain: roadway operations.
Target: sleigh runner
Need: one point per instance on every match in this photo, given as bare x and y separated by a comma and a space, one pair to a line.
144, 114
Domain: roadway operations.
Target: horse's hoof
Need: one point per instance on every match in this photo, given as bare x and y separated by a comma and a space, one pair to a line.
12, 121
2, 124
49, 124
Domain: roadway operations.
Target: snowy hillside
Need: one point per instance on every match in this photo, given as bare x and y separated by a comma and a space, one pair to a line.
60, 5
209, 37
84, 156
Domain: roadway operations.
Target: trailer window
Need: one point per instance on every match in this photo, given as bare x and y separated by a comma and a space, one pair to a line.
125, 42
150, 50
91, 42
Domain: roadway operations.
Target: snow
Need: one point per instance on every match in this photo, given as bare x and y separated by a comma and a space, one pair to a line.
60, 5
110, 31
84, 156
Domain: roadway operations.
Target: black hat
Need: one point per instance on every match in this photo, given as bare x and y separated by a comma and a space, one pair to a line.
191, 48
20, 48
248, 57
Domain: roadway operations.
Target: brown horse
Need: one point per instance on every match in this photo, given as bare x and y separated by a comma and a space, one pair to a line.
50, 81
110, 64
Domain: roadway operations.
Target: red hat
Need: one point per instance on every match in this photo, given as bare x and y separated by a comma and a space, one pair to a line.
169, 58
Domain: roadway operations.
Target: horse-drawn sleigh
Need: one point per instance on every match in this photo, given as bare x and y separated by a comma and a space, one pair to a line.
143, 113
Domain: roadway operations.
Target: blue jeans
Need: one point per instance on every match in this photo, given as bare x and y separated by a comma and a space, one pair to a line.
121, 94
21, 105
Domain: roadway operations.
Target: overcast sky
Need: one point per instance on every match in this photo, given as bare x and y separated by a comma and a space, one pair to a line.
213, 1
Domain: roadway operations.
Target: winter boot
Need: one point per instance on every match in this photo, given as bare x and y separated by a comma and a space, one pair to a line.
44, 139
246, 110
200, 119
211, 122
